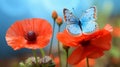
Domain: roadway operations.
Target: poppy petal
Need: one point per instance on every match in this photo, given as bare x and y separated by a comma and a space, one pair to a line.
69, 40
83, 63
103, 41
96, 54
108, 28
14, 36
79, 54
66, 39
76, 55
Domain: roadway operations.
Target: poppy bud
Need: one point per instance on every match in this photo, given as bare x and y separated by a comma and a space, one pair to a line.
54, 15
59, 20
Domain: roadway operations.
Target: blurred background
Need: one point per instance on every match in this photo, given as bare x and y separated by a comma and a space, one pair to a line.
108, 11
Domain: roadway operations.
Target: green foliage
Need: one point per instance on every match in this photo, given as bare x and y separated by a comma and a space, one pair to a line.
115, 52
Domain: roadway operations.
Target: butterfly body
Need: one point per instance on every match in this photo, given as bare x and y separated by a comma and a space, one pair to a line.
84, 25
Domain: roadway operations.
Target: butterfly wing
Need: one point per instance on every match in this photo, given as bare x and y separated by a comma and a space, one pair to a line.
72, 23
89, 27
89, 15
74, 29
88, 23
69, 17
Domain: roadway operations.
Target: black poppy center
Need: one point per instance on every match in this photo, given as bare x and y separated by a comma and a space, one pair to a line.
85, 43
30, 36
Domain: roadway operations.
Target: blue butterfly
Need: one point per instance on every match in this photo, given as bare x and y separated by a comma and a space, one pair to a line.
85, 25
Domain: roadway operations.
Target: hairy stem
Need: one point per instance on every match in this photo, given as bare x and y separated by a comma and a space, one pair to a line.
50, 50
87, 61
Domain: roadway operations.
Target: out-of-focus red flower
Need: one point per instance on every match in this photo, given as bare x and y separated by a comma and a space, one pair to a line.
29, 33
90, 46
57, 61
116, 31
83, 63
115, 60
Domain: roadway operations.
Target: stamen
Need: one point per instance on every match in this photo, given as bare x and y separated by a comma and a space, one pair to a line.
85, 43
30, 36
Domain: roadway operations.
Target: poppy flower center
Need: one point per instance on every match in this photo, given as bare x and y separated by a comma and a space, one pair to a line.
30, 36
85, 43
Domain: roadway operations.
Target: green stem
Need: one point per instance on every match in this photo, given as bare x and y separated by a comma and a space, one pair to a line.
59, 48
50, 50
35, 55
87, 61
42, 52
67, 57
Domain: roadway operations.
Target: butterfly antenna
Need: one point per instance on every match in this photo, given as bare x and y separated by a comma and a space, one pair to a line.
73, 10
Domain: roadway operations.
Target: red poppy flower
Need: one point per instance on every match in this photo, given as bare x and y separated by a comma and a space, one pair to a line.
116, 31
29, 33
56, 60
90, 46
83, 63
